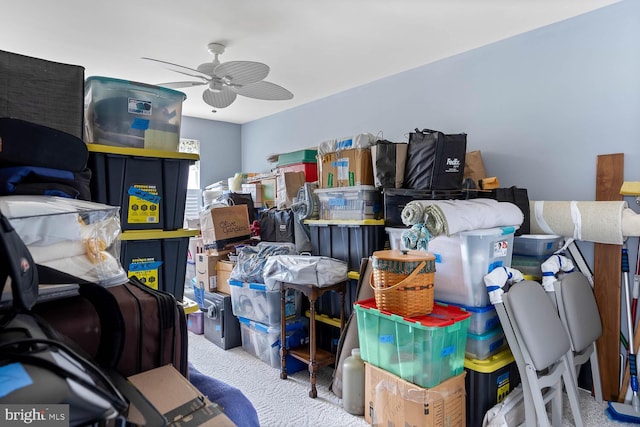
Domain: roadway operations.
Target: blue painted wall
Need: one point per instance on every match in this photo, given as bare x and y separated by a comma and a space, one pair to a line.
541, 106
219, 147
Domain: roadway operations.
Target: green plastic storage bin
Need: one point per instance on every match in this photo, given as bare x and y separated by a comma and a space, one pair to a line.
300, 156
424, 350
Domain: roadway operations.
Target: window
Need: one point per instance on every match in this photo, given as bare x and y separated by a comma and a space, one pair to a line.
193, 203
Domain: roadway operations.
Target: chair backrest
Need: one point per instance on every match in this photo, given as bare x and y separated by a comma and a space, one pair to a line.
577, 305
536, 321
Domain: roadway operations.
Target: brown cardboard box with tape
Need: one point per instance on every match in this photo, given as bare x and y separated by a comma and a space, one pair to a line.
346, 168
174, 397
206, 269
221, 226
392, 401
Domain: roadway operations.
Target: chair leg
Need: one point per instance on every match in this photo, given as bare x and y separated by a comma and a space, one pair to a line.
536, 396
595, 374
572, 392
556, 405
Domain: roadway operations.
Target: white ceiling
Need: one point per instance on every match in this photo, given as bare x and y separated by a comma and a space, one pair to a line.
314, 48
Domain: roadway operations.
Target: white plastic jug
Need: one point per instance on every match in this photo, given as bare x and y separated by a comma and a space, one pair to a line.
353, 383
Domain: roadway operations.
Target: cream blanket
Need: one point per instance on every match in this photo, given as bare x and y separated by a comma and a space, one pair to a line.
452, 216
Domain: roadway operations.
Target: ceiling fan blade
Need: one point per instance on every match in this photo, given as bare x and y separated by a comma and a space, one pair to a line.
221, 99
264, 90
242, 72
181, 69
178, 85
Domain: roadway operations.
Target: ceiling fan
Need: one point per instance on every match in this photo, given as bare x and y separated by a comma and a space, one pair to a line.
227, 80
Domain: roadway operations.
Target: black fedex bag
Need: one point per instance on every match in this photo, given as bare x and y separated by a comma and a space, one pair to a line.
41, 375
435, 161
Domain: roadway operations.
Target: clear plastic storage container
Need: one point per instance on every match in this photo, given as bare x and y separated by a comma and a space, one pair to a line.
77, 237
463, 260
254, 302
359, 202
482, 346
483, 319
131, 114
263, 341
538, 245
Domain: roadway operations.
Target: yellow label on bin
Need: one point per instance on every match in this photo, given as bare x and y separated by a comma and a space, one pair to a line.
144, 204
146, 270
504, 387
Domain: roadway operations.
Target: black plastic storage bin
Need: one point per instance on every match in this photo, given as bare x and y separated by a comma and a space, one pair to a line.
329, 302
487, 383
157, 258
348, 241
150, 186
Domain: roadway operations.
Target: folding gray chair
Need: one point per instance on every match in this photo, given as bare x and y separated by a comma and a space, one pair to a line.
541, 346
580, 316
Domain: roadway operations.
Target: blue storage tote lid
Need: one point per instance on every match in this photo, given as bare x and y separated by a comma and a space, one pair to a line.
255, 286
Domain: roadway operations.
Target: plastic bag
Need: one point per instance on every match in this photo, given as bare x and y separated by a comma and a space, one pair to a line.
305, 270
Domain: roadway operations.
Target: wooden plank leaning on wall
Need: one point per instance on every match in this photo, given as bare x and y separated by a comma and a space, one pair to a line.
607, 278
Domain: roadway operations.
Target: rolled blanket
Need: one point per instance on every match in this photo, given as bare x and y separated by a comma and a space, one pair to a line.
452, 216
413, 212
416, 237
590, 221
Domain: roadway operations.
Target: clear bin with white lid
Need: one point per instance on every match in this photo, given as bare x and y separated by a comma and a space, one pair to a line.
131, 114
359, 202
463, 259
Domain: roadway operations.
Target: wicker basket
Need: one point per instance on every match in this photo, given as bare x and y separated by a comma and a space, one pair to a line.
402, 282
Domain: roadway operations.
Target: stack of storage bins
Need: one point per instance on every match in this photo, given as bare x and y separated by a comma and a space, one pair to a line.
258, 310
257, 307
300, 161
424, 354
132, 131
462, 260
350, 225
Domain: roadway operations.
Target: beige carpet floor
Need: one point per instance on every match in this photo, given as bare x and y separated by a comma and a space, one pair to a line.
286, 403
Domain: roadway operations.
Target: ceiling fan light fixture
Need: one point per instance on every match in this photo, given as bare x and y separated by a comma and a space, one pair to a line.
215, 86
224, 81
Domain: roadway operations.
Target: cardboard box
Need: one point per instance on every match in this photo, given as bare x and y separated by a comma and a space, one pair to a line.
287, 185
220, 226
346, 168
206, 276
256, 193
196, 246
179, 401
224, 269
392, 401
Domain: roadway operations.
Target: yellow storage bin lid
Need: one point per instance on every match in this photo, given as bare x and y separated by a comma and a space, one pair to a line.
344, 222
490, 364
158, 234
143, 152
